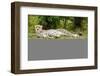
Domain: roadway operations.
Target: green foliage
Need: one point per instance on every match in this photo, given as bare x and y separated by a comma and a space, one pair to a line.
32, 21
72, 24
49, 22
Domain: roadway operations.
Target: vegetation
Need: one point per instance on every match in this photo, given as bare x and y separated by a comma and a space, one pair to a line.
73, 24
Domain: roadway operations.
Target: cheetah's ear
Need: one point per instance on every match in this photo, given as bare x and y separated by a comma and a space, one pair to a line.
36, 26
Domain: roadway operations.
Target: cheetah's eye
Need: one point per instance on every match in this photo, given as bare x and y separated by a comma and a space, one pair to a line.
37, 29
